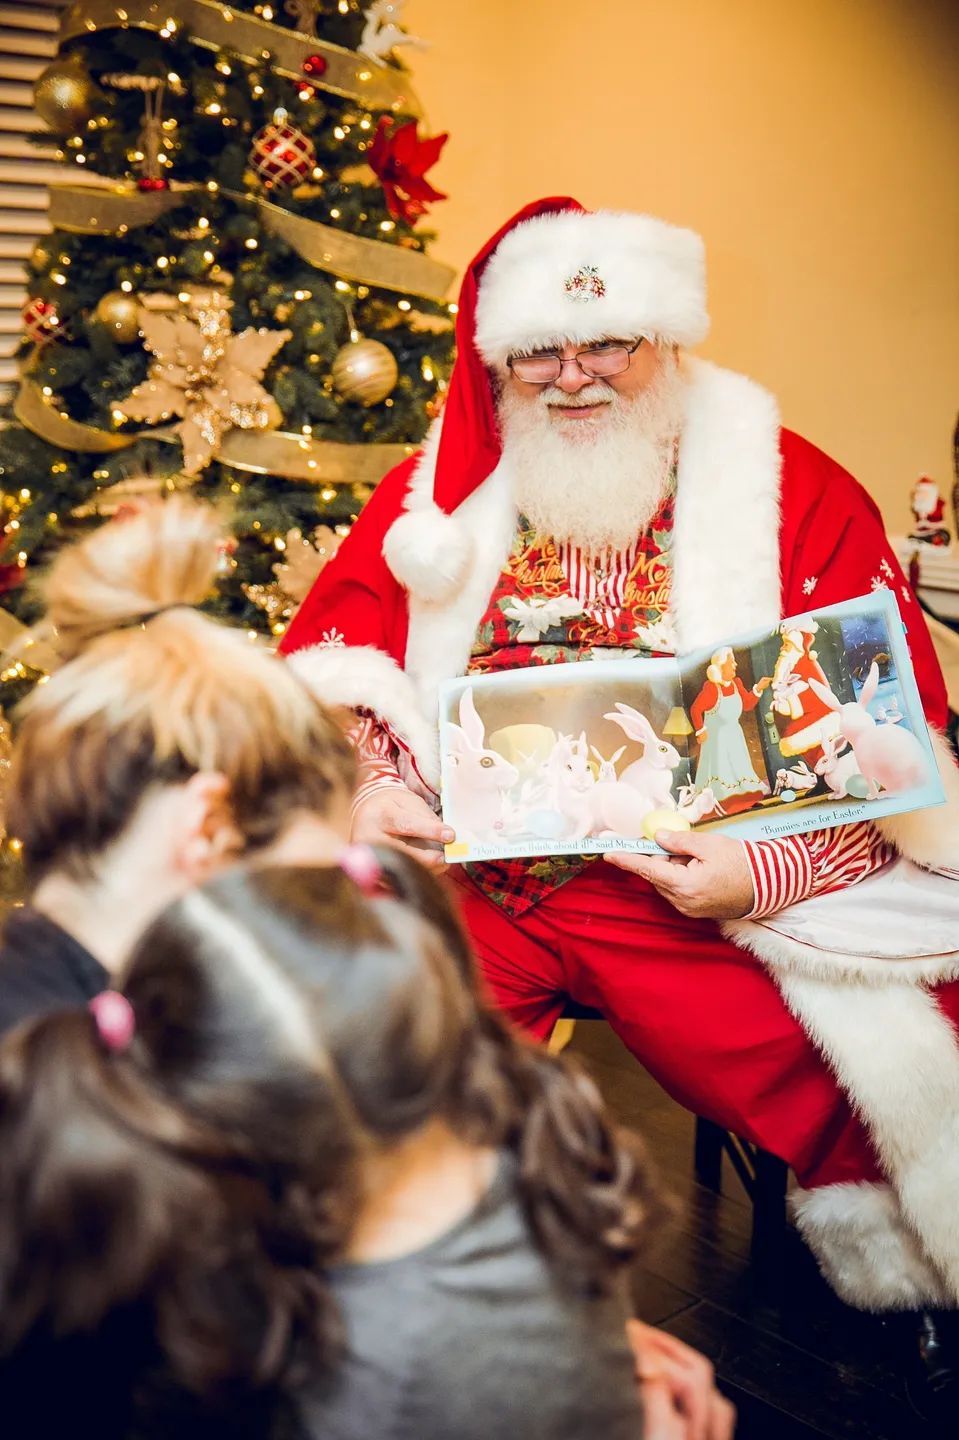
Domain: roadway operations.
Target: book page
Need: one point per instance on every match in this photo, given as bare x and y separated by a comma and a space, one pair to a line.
813, 723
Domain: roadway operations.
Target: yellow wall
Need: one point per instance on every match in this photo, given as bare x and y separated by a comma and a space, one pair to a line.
813, 143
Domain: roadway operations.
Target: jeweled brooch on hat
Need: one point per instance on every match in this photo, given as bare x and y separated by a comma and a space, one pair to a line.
586, 284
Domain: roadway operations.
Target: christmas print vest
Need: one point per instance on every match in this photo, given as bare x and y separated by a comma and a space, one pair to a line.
553, 605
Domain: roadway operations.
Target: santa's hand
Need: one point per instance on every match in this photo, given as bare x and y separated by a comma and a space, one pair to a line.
706, 876
395, 816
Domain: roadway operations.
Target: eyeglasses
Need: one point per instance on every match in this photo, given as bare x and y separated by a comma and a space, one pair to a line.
597, 363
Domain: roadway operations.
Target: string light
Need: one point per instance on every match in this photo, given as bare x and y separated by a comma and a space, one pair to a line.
318, 172
403, 305
250, 244
453, 308
212, 185
203, 222
302, 294
223, 68
279, 543
208, 256
387, 225
126, 286
173, 78
335, 214
213, 108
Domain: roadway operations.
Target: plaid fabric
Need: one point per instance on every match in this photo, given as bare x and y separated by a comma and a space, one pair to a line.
534, 572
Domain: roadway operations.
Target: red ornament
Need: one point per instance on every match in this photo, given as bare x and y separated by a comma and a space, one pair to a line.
314, 66
281, 154
40, 320
401, 159
150, 182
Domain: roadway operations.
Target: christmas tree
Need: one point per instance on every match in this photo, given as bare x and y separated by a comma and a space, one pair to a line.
235, 299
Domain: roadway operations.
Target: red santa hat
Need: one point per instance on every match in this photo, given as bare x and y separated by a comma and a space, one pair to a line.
554, 272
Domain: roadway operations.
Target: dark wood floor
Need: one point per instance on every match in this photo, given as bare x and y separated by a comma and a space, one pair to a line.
796, 1362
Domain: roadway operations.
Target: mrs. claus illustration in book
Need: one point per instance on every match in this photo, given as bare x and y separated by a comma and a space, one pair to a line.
725, 765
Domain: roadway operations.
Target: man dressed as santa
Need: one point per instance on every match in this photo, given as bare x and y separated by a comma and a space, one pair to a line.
591, 489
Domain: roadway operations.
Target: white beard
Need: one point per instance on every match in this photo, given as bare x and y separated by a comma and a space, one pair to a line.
593, 488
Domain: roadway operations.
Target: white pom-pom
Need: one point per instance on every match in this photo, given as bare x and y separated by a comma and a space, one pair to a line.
429, 552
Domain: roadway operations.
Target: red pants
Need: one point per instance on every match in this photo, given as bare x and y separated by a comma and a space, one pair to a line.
700, 1014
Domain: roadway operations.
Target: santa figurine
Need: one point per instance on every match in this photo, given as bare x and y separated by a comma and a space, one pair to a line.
928, 507
590, 476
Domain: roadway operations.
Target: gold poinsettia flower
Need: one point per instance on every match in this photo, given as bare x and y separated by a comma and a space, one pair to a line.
205, 374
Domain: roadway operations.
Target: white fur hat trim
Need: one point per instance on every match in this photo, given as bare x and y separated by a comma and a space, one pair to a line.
429, 552
586, 277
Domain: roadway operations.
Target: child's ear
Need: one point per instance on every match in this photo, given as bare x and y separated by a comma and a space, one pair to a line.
208, 833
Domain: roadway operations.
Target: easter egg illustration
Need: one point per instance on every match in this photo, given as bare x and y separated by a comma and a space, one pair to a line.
663, 820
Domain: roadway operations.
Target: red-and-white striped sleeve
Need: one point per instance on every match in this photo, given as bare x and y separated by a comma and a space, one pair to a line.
375, 753
794, 867
598, 582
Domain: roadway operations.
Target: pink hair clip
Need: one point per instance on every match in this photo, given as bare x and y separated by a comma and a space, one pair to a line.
363, 868
115, 1020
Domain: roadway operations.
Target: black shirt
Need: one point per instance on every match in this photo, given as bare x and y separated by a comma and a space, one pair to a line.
42, 969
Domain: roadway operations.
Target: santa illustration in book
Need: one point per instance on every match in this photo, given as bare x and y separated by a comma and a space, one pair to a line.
802, 719
592, 489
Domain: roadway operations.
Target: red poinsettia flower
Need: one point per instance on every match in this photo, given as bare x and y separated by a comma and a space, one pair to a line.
400, 159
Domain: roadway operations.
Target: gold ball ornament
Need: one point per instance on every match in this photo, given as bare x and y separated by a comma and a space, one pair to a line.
64, 96
365, 371
118, 313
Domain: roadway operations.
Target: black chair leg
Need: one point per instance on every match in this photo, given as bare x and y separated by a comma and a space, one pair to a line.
769, 1205
708, 1154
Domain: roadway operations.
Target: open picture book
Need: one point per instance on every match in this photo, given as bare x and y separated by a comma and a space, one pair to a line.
817, 722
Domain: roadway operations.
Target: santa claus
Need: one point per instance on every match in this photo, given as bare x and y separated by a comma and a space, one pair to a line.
591, 488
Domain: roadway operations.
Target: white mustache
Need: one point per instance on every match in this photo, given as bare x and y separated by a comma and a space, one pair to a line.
597, 394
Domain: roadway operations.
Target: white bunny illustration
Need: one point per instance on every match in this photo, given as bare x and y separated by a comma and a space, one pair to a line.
572, 782
476, 777
887, 756
590, 807
800, 778
607, 768
836, 768
652, 776
694, 804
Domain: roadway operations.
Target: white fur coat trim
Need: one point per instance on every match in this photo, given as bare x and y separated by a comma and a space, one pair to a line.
868, 1253
895, 1055
361, 677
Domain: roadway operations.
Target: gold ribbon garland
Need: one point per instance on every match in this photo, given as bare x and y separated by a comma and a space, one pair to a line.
33, 412
217, 27
102, 210
354, 257
297, 457
271, 452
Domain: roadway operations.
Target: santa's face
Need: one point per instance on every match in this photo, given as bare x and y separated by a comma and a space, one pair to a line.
580, 403
590, 458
